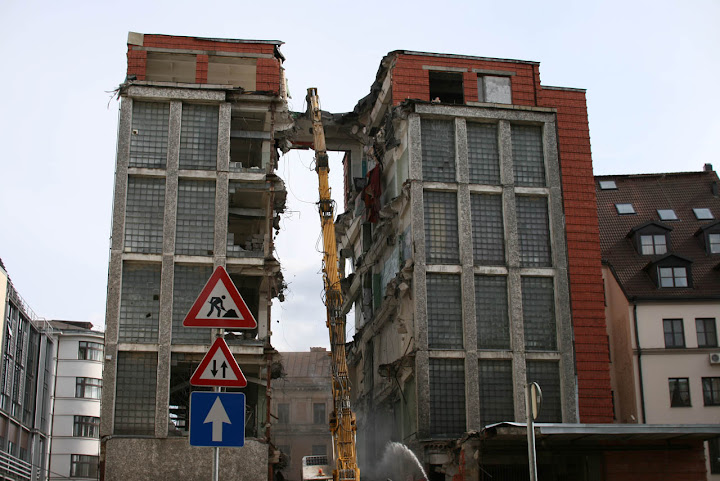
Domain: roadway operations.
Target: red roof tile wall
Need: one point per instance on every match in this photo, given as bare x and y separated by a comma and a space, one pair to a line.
676, 464
583, 241
268, 69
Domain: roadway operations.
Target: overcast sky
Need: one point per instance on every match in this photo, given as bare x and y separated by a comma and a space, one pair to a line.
651, 70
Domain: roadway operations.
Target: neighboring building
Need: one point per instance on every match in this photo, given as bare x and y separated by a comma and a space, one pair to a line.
75, 446
660, 237
195, 188
302, 401
472, 232
26, 380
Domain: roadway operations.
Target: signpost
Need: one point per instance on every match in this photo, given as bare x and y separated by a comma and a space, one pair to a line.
533, 400
217, 418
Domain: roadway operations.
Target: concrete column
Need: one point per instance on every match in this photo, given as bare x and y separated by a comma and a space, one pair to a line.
167, 271
221, 186
112, 314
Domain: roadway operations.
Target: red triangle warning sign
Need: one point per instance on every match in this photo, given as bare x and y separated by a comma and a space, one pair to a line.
220, 305
218, 368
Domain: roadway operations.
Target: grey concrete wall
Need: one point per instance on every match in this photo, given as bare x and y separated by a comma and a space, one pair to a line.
173, 459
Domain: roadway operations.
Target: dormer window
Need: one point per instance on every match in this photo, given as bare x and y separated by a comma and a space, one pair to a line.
673, 276
651, 238
653, 244
671, 271
709, 236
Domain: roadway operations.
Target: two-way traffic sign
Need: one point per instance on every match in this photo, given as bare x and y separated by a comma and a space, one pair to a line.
217, 419
218, 368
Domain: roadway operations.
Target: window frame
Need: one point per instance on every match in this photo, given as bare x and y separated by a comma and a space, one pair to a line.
88, 461
681, 382
705, 322
673, 324
711, 391
283, 411
90, 351
625, 208
317, 418
713, 243
667, 214
656, 248
674, 277
88, 385
703, 213
86, 427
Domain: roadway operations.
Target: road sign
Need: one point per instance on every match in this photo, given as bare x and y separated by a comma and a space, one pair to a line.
217, 419
220, 305
218, 368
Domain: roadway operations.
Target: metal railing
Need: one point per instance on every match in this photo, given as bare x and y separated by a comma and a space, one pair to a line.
14, 468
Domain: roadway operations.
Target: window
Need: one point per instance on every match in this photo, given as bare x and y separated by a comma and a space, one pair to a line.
139, 302
667, 214
607, 185
444, 311
706, 332
711, 391
547, 375
653, 244
83, 466
447, 398
625, 209
528, 157
199, 137
148, 143
283, 413
88, 387
441, 228
538, 306
483, 156
195, 230
494, 89
673, 276
703, 214
438, 150
713, 243
319, 414
533, 231
674, 334
487, 229
86, 427
447, 87
679, 392
90, 351
238, 72
491, 312
135, 393
496, 391
144, 215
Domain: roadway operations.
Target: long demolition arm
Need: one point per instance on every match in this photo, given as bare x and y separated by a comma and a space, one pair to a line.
342, 421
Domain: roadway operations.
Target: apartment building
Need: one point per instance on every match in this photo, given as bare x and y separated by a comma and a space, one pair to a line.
26, 381
302, 400
660, 238
75, 445
195, 188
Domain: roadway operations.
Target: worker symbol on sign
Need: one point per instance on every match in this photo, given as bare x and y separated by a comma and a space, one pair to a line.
217, 303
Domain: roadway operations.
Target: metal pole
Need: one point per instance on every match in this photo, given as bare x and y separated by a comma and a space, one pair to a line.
532, 461
216, 449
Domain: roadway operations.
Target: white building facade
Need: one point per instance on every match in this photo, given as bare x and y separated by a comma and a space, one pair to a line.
75, 448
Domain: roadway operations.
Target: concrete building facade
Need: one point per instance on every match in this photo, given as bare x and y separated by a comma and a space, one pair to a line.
195, 188
75, 445
660, 238
26, 380
302, 401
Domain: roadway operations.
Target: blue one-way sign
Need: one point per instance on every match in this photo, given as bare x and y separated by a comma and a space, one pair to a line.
217, 419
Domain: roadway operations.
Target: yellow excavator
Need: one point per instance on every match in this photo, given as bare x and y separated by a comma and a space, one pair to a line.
342, 419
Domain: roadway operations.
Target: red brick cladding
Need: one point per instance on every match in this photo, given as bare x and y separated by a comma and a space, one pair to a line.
411, 81
583, 241
675, 464
268, 69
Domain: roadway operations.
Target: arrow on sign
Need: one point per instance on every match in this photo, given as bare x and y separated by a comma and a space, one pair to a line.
217, 416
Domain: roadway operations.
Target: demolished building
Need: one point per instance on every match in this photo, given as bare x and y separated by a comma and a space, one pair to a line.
472, 234
195, 188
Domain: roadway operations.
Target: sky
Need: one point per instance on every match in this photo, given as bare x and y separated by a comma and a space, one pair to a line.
650, 68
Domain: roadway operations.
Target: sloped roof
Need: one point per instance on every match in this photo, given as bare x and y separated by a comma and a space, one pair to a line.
313, 364
647, 193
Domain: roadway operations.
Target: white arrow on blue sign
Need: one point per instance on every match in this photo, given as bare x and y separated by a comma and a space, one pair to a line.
217, 419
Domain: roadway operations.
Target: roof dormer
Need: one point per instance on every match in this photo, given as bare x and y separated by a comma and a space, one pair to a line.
671, 271
651, 238
709, 236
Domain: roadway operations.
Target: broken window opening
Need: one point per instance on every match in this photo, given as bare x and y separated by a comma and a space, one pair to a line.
447, 87
182, 367
246, 222
249, 289
248, 131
